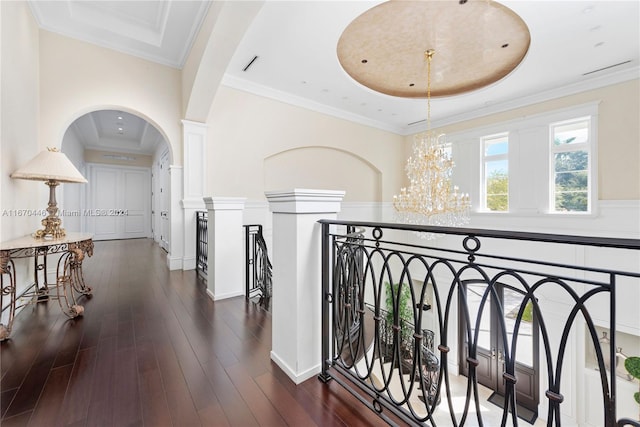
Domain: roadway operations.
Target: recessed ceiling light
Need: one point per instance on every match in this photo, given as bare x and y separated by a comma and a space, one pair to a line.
119, 117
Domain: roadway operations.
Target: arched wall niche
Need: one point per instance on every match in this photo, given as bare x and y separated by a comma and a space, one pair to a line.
324, 168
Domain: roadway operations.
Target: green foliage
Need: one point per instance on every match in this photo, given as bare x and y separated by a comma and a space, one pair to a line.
572, 181
405, 313
498, 191
558, 141
527, 314
632, 365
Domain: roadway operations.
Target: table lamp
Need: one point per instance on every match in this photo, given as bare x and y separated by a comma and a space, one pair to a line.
53, 167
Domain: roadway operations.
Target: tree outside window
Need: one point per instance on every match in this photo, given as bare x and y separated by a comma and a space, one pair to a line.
570, 165
496, 172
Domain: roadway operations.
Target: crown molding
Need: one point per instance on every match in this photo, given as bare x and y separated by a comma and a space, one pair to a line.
567, 90
287, 98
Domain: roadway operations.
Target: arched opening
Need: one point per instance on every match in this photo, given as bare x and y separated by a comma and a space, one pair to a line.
125, 158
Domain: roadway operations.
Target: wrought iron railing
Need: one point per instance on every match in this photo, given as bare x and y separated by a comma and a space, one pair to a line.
201, 242
258, 267
554, 300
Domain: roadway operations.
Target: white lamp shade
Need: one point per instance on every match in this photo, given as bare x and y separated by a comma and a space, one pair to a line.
48, 165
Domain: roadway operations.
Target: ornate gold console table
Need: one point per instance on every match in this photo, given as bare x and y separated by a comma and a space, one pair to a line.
69, 278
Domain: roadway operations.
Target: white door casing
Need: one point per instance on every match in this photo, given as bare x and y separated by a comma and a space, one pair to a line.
163, 201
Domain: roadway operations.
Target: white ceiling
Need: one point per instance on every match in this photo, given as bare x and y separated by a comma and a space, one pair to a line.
575, 45
113, 130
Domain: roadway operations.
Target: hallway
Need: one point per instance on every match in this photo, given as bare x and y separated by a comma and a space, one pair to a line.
153, 350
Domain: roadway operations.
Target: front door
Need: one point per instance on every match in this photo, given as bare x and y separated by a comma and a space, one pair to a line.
490, 350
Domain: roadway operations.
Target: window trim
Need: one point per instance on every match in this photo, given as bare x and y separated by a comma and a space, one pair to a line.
528, 142
588, 146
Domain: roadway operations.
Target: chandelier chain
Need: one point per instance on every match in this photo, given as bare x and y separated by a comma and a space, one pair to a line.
429, 199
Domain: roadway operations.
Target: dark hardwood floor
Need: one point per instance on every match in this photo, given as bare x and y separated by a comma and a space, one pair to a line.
152, 349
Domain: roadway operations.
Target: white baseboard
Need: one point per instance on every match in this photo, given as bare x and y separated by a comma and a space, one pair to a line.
297, 378
189, 263
174, 263
223, 296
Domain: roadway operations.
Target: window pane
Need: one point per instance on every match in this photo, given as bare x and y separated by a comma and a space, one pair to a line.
571, 133
497, 185
572, 201
572, 161
572, 191
496, 146
572, 181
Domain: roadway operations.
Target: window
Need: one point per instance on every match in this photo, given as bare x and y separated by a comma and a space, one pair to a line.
495, 173
570, 161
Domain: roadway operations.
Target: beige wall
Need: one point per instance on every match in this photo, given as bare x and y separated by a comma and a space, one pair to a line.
19, 119
250, 140
618, 134
77, 77
330, 168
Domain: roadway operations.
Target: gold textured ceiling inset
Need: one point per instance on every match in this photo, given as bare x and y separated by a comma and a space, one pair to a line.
476, 43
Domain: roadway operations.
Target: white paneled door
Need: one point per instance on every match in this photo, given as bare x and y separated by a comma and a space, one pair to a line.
119, 202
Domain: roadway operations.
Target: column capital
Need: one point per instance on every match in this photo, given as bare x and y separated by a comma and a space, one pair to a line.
302, 200
194, 125
224, 203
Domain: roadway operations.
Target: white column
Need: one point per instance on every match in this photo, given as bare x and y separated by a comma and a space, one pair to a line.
194, 156
176, 222
225, 256
297, 282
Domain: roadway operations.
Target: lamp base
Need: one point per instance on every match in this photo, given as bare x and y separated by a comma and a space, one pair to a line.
52, 223
52, 227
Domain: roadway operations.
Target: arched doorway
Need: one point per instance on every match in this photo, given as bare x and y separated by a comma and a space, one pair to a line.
126, 159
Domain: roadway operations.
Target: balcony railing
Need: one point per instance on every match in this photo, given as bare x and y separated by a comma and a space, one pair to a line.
505, 308
201, 242
258, 267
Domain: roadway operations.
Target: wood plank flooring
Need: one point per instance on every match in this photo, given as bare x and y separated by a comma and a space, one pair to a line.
152, 349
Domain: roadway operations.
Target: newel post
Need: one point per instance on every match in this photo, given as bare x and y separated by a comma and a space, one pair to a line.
297, 277
225, 248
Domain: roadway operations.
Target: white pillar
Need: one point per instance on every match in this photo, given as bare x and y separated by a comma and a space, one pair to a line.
176, 222
225, 255
297, 282
194, 156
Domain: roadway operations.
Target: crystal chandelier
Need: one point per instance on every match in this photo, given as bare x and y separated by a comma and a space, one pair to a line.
430, 199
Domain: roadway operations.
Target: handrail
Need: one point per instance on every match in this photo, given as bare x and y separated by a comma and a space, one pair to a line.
621, 243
